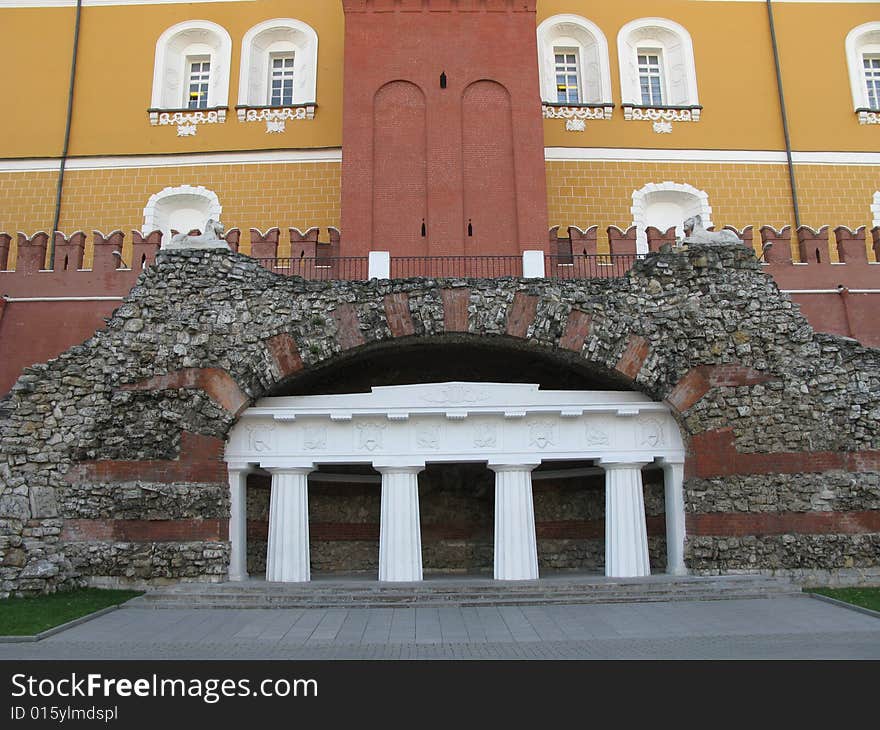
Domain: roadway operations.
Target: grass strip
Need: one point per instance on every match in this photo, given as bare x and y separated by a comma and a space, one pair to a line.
864, 597
29, 616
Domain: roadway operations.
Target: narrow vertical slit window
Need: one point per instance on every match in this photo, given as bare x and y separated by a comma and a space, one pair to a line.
568, 77
281, 80
651, 77
199, 78
872, 80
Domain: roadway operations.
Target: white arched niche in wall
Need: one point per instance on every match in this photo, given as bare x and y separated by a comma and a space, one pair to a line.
667, 204
278, 38
863, 62
182, 209
676, 51
587, 40
875, 210
176, 48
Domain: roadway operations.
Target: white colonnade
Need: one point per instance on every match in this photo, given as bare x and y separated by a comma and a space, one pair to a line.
512, 427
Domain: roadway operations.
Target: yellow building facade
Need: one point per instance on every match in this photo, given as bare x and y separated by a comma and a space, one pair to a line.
711, 140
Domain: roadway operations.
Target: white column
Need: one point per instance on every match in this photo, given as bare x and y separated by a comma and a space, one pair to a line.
287, 558
238, 522
400, 531
626, 534
516, 549
673, 474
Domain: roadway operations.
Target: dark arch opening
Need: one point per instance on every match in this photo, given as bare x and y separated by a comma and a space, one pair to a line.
444, 358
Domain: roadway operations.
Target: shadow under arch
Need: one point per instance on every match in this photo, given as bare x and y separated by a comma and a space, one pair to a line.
451, 357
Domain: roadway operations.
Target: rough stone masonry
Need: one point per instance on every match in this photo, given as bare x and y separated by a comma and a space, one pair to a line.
111, 458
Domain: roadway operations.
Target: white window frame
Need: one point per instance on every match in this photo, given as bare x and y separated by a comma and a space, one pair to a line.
190, 39
679, 67
594, 68
275, 37
861, 41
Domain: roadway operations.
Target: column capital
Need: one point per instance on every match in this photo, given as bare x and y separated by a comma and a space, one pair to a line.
289, 468
497, 468
399, 469
239, 466
614, 465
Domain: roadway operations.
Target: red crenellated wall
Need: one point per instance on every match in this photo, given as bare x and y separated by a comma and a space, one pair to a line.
467, 159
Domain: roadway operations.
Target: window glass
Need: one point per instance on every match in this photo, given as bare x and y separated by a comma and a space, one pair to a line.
281, 80
199, 76
650, 78
872, 80
568, 86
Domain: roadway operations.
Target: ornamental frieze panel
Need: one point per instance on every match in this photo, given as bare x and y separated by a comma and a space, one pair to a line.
478, 422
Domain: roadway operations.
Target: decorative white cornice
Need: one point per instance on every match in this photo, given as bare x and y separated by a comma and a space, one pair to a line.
275, 117
187, 121
554, 111
662, 117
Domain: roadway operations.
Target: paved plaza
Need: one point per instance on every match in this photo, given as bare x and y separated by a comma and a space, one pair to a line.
792, 627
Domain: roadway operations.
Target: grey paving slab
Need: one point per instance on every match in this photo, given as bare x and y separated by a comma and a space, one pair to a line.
494, 625
378, 626
518, 625
353, 627
452, 625
473, 625
428, 629
794, 628
329, 627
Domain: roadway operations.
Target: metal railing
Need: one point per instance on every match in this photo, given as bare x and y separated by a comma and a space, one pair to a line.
476, 267
356, 268
325, 268
589, 266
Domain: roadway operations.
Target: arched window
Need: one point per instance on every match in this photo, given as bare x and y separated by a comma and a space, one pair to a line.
863, 59
181, 209
875, 210
574, 66
191, 76
667, 204
658, 76
279, 70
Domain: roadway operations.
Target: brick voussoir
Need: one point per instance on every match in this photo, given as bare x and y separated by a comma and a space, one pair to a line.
634, 356
348, 327
521, 314
285, 353
397, 314
455, 309
577, 329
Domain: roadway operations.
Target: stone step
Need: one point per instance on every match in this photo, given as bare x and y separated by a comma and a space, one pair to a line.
342, 594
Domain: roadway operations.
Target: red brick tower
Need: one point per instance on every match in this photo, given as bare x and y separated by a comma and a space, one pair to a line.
443, 144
